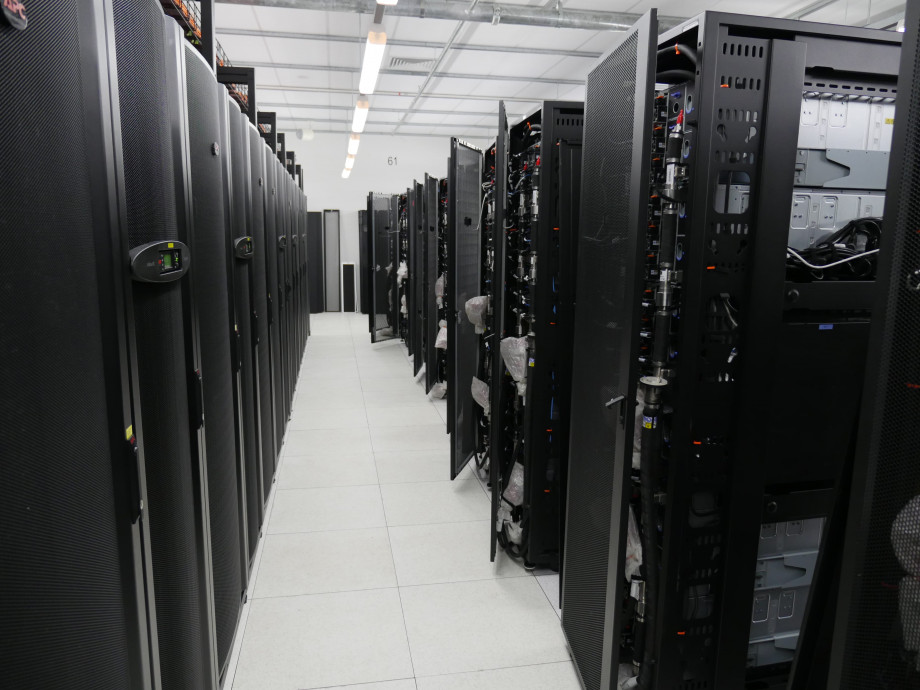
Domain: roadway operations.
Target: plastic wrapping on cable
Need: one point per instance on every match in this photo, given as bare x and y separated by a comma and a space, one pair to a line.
401, 272
514, 492
637, 430
438, 391
439, 290
505, 523
633, 547
476, 310
514, 355
403, 309
480, 391
441, 341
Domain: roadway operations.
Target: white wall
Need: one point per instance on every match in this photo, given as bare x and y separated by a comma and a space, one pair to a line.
323, 158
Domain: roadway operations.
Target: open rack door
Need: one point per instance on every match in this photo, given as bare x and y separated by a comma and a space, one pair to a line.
431, 271
618, 108
417, 274
382, 266
498, 321
464, 203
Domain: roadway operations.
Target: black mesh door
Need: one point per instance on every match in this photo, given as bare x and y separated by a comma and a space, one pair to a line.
417, 274
431, 271
260, 308
315, 261
178, 537
69, 609
274, 303
241, 228
613, 206
464, 200
878, 625
210, 279
364, 261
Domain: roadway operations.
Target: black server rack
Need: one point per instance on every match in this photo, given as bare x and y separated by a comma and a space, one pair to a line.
211, 282
383, 252
241, 262
436, 371
417, 274
272, 240
464, 204
533, 301
75, 535
261, 310
402, 262
315, 262
877, 621
282, 229
363, 262
166, 342
694, 367
432, 247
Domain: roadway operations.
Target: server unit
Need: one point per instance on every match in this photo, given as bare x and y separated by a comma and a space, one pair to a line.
383, 252
463, 255
76, 545
533, 302
433, 358
707, 324
417, 236
877, 616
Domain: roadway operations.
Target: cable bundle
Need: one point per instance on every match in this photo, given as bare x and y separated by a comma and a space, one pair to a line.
848, 254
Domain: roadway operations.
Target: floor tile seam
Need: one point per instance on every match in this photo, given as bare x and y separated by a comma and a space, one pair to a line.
552, 605
498, 668
402, 609
320, 594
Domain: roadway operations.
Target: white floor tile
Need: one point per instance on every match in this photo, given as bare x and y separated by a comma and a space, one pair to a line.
558, 676
328, 418
322, 640
418, 437
419, 414
319, 510
415, 466
453, 552
550, 585
393, 383
321, 562
410, 396
323, 368
310, 398
327, 441
434, 502
446, 633
320, 471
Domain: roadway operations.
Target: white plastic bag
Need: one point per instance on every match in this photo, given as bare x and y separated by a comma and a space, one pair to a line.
403, 309
480, 391
514, 531
401, 272
438, 391
633, 547
441, 341
514, 492
476, 310
439, 290
514, 354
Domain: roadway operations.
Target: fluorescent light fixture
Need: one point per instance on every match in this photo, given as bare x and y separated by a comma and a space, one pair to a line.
388, 3
349, 162
353, 142
345, 173
360, 119
373, 58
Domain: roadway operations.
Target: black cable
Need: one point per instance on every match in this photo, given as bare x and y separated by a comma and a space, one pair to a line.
674, 76
681, 50
853, 248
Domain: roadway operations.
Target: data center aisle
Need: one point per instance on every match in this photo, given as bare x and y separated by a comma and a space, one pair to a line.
374, 569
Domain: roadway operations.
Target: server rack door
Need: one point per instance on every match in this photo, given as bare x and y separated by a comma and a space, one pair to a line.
877, 618
332, 260
409, 283
498, 459
295, 275
242, 266
613, 207
274, 307
166, 344
417, 274
464, 205
383, 242
363, 262
315, 261
289, 286
349, 292
210, 282
431, 271
260, 307
368, 269
74, 540
281, 256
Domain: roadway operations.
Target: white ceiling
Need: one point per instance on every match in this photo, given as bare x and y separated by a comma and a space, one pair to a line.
312, 82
